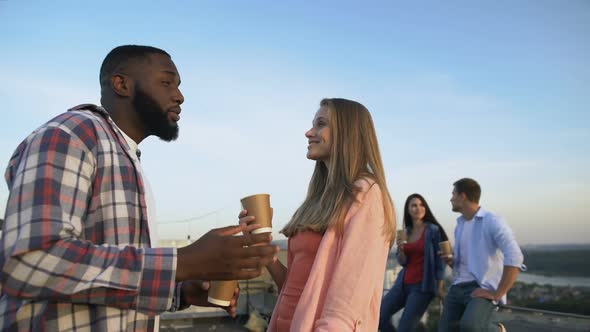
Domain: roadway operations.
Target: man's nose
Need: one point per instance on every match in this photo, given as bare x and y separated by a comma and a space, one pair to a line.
179, 98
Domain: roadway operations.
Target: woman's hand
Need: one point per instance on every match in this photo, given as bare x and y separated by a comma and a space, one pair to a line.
249, 221
401, 246
400, 243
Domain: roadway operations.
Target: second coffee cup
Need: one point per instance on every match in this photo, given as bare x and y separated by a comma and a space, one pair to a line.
221, 292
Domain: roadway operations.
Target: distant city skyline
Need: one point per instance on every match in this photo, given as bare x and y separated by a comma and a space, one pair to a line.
493, 91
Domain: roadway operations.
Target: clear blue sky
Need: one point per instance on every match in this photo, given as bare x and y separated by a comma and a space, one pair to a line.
497, 91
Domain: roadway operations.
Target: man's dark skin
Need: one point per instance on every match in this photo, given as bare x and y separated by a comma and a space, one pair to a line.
218, 255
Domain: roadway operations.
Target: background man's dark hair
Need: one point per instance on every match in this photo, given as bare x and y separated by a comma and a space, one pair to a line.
122, 55
470, 188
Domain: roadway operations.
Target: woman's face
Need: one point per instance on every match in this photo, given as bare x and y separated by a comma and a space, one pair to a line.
319, 137
417, 209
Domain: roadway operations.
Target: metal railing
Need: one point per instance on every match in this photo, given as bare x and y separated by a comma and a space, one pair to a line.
543, 312
256, 297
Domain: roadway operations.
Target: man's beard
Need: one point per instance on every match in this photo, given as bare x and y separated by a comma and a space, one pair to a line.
154, 118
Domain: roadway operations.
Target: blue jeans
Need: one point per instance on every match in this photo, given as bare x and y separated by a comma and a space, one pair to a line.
407, 296
465, 313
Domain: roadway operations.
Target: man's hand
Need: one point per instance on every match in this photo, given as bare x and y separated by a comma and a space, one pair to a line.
441, 292
449, 259
194, 292
486, 294
219, 255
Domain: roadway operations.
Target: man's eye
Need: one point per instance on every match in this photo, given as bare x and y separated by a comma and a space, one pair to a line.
166, 83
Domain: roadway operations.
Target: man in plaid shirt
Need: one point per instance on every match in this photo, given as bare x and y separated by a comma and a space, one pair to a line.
76, 248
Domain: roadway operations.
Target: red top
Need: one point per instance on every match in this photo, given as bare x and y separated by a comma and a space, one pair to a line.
415, 253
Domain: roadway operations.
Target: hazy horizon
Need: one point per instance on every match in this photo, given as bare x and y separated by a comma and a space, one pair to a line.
493, 91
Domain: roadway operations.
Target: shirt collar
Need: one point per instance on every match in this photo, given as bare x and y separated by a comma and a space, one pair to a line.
91, 107
132, 144
101, 110
478, 215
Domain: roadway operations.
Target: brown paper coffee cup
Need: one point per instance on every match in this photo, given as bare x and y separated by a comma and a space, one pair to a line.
402, 235
221, 292
445, 247
259, 206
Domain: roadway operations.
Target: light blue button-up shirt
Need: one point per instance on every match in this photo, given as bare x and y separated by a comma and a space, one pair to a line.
491, 247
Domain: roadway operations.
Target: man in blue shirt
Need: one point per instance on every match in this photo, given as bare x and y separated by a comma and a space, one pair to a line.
486, 263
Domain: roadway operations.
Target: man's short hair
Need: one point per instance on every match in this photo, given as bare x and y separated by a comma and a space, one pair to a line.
122, 55
470, 188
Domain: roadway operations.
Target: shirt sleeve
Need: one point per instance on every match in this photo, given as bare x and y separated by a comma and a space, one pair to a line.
177, 302
504, 238
360, 266
439, 265
43, 253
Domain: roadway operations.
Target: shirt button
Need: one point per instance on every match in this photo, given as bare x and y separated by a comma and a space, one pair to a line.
359, 322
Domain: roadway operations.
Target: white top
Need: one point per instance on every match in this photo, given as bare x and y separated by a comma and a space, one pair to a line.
462, 272
149, 201
149, 195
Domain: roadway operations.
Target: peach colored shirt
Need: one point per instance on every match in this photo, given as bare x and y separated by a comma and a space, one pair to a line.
345, 284
301, 253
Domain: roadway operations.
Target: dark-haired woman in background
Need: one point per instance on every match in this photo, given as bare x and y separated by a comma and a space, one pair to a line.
422, 275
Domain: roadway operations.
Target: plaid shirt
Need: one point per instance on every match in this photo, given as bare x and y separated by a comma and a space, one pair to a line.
75, 250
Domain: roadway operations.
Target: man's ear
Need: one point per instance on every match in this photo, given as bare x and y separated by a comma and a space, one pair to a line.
464, 197
122, 85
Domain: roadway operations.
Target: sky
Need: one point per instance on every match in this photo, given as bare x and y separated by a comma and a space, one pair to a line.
496, 91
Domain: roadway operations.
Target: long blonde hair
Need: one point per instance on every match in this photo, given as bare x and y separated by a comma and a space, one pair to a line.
354, 155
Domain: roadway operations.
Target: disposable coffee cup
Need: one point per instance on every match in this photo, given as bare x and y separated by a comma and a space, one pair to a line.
402, 235
221, 292
259, 206
445, 247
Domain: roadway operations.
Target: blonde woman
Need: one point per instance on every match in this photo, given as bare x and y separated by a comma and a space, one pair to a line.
340, 236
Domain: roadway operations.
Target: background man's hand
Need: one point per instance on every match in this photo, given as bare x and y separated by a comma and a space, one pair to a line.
441, 293
447, 258
484, 293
